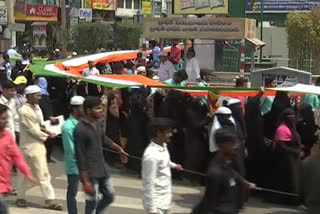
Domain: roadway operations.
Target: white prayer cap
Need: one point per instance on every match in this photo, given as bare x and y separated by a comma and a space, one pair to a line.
223, 110
74, 54
57, 50
141, 69
233, 101
163, 53
77, 101
32, 89
25, 62
156, 78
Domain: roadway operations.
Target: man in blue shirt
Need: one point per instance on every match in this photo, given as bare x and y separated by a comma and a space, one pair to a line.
71, 167
155, 53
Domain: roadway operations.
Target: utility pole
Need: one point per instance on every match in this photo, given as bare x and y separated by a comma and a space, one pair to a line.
63, 26
11, 21
261, 26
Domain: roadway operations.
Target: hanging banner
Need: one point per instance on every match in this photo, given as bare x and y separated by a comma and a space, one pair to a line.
199, 28
146, 8
3, 16
280, 6
201, 7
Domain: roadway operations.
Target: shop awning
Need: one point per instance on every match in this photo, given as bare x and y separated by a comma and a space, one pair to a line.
256, 42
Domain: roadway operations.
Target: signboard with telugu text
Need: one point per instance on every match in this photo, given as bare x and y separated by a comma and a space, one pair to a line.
201, 6
199, 28
283, 80
18, 27
280, 6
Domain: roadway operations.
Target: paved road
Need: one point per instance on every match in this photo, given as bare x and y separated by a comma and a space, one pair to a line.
128, 196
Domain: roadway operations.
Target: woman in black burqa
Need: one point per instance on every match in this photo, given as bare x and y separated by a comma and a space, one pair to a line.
287, 152
280, 103
306, 126
138, 138
256, 160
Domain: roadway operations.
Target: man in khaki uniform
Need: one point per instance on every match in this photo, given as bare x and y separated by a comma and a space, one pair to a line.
32, 138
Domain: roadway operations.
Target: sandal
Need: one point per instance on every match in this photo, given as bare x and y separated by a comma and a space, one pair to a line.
11, 193
21, 203
52, 205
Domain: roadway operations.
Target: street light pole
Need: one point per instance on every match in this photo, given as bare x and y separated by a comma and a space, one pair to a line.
261, 25
11, 20
63, 26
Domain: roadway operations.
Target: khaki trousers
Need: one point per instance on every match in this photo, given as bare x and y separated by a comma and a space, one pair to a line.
37, 161
160, 211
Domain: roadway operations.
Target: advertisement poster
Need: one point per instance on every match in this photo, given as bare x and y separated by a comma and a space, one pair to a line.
40, 36
280, 6
199, 28
201, 7
283, 80
146, 8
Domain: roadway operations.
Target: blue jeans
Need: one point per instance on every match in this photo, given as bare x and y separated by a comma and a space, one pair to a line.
73, 183
3, 206
102, 197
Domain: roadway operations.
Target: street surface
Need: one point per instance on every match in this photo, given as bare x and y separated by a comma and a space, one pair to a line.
128, 194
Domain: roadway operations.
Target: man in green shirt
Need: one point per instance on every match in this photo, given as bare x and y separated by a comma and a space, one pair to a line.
71, 167
267, 101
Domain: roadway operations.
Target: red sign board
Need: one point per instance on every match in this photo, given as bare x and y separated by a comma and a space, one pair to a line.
42, 11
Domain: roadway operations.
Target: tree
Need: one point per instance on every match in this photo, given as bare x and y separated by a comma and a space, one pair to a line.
90, 36
128, 36
304, 39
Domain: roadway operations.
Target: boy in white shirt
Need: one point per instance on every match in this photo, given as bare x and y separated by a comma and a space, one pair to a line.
156, 169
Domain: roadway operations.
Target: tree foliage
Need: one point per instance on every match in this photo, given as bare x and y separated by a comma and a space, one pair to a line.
128, 35
304, 38
90, 36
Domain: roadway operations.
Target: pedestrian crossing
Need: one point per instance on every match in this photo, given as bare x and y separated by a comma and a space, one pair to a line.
128, 197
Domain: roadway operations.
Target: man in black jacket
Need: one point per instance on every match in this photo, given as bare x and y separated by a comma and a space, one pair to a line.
89, 138
221, 196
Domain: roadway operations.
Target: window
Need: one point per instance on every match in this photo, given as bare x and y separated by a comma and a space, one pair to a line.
128, 4
121, 3
136, 4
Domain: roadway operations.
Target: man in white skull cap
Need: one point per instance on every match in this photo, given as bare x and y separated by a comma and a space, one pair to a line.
70, 163
32, 138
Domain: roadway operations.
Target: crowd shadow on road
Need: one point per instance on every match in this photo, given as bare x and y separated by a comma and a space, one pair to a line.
187, 200
286, 212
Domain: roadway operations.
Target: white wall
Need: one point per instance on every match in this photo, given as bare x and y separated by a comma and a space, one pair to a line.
205, 53
276, 40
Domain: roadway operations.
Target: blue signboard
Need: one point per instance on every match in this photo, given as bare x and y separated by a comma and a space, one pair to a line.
280, 6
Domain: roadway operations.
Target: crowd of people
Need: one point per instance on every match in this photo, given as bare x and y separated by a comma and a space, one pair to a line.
269, 141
